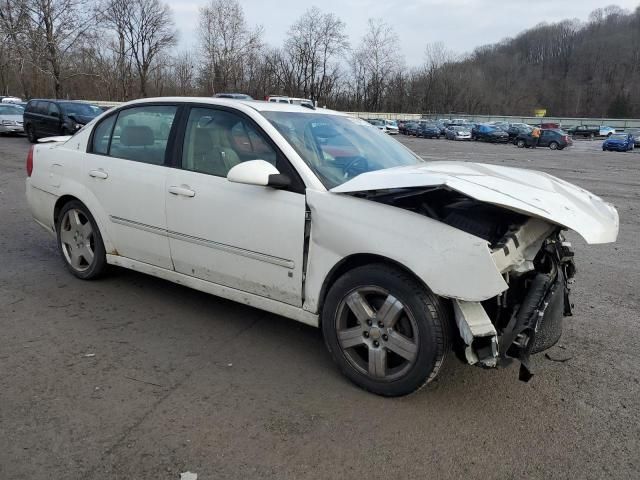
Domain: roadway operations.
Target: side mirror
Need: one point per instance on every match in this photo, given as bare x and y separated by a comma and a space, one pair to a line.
258, 172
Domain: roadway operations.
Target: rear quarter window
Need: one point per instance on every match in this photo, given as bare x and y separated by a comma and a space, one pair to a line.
102, 136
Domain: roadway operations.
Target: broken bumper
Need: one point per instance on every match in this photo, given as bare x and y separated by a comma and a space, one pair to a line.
524, 320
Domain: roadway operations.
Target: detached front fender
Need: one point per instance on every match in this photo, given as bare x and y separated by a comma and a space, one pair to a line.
450, 262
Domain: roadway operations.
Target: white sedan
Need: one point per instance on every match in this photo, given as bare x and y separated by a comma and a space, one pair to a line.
322, 218
11, 118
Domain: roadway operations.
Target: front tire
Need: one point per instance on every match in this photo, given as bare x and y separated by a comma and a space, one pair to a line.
387, 333
521, 143
80, 242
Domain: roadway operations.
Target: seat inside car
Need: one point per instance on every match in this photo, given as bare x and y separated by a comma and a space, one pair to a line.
137, 143
210, 152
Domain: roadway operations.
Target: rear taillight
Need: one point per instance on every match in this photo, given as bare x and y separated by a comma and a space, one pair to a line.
30, 161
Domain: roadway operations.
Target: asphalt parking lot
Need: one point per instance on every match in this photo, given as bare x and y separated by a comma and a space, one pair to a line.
134, 377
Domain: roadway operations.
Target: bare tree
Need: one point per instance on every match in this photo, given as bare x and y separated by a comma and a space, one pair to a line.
184, 74
378, 58
227, 44
46, 31
148, 32
314, 43
114, 20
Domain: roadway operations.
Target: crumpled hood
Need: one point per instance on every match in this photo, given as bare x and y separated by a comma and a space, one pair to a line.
529, 192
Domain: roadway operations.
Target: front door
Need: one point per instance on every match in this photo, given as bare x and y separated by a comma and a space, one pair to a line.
126, 171
245, 237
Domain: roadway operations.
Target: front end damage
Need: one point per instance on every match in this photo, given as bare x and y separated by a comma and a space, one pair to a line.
535, 261
517, 217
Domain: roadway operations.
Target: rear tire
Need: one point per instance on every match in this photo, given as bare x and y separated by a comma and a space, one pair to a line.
31, 134
553, 145
386, 332
80, 242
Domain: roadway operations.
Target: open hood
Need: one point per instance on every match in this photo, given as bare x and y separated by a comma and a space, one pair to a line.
528, 192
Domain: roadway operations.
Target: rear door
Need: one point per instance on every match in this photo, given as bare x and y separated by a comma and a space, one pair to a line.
126, 170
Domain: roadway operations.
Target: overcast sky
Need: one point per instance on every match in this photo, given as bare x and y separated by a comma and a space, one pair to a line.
460, 24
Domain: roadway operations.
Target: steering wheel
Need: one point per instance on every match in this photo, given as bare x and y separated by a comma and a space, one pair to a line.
355, 167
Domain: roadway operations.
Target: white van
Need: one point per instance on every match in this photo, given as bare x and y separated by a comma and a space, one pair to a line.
305, 102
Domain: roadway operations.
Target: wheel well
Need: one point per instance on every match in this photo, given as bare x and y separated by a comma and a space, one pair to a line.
355, 261
61, 202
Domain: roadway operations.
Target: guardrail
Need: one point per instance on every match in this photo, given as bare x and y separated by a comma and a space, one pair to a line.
617, 123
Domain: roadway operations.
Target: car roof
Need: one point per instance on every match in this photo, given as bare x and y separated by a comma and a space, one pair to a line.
258, 105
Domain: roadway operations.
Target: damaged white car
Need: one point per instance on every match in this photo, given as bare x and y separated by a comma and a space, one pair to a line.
319, 217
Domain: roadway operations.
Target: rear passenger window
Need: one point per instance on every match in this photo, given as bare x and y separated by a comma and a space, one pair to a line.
54, 111
141, 134
41, 107
102, 135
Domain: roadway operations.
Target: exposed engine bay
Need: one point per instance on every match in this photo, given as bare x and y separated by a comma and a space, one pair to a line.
532, 255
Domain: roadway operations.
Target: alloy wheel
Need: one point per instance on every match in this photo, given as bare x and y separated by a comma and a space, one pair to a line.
77, 240
377, 334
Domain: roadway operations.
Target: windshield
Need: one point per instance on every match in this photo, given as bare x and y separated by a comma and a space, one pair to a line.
619, 136
82, 109
10, 110
339, 148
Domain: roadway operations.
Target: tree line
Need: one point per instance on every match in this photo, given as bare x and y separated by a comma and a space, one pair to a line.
123, 49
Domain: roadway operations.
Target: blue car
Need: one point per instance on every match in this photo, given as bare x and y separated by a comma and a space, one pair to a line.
620, 142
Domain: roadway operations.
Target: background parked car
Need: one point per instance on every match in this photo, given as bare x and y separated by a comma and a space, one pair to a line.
619, 142
555, 139
458, 133
606, 131
46, 118
591, 131
411, 128
378, 123
489, 133
14, 100
517, 129
305, 102
428, 130
11, 118
392, 127
636, 136
236, 96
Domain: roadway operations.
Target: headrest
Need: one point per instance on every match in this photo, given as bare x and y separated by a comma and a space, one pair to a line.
137, 136
202, 140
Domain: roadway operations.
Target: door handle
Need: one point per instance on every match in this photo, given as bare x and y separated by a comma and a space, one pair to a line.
98, 174
185, 191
